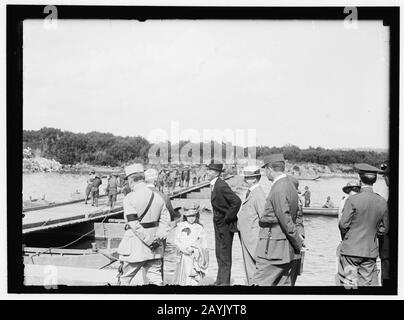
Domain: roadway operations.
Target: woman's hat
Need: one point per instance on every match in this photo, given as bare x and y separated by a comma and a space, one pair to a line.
193, 210
351, 184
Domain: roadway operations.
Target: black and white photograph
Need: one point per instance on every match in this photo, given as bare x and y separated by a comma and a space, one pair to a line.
204, 149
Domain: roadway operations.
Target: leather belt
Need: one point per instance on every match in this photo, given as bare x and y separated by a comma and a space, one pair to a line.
147, 225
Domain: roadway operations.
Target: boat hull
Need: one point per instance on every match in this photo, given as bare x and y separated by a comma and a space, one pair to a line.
318, 211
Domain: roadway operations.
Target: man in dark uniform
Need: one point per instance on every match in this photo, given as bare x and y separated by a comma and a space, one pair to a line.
279, 239
297, 264
384, 240
225, 205
364, 217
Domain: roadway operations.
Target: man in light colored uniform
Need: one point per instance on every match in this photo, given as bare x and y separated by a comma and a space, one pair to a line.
251, 210
147, 220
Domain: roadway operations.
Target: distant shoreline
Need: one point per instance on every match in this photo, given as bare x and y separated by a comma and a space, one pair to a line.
307, 170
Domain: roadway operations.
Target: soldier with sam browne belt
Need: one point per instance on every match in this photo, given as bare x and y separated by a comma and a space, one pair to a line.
364, 217
147, 220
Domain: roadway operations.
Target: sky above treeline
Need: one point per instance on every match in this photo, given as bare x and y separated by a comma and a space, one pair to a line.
307, 83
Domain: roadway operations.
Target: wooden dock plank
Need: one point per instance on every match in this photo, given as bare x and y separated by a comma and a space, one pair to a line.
56, 216
62, 215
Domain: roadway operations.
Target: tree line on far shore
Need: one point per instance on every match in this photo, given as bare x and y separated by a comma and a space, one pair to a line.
107, 149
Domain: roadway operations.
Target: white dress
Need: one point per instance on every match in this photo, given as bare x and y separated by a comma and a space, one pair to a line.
191, 267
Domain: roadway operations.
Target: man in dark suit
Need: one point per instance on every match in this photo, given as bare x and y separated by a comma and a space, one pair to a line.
279, 239
225, 205
364, 217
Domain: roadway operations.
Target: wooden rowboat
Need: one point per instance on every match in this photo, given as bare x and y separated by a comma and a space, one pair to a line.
318, 211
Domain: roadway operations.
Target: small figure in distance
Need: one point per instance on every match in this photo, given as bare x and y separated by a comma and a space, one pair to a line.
328, 203
306, 195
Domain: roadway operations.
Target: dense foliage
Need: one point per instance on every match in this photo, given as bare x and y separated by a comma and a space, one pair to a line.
93, 148
325, 156
106, 149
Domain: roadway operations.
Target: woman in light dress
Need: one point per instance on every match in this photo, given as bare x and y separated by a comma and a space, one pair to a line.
190, 240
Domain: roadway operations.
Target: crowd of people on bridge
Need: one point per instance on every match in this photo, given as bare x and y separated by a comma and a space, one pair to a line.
270, 228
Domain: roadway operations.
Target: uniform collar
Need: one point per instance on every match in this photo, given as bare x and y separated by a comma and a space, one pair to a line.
366, 189
140, 185
255, 186
150, 185
283, 175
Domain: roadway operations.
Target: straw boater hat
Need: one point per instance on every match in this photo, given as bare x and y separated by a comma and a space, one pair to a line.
251, 171
133, 168
350, 185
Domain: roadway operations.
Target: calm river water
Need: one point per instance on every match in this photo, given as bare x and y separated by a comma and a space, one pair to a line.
322, 235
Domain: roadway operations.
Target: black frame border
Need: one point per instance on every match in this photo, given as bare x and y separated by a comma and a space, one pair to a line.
15, 16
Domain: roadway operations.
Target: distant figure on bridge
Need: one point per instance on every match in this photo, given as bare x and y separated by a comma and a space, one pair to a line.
328, 203
112, 190
151, 176
170, 181
95, 191
306, 195
90, 180
187, 176
160, 181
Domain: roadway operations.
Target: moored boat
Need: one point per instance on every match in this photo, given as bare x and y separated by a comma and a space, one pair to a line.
307, 177
319, 211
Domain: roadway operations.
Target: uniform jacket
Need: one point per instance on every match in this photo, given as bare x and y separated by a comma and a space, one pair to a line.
364, 217
167, 201
137, 238
279, 242
225, 204
251, 211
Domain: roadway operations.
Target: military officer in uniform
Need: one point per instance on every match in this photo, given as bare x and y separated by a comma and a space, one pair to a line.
297, 263
384, 240
364, 217
225, 205
279, 239
247, 219
147, 221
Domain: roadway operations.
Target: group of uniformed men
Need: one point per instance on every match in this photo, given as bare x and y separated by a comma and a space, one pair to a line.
270, 228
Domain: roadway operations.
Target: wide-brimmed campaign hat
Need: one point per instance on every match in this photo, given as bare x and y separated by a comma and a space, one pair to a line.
251, 171
217, 166
350, 185
133, 168
273, 158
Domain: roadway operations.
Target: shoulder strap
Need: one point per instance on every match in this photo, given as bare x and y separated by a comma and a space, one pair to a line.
148, 207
